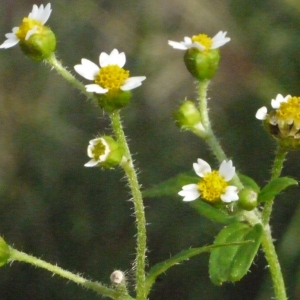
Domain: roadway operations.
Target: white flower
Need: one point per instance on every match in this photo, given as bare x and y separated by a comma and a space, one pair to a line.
98, 150
110, 75
38, 17
201, 42
212, 186
262, 113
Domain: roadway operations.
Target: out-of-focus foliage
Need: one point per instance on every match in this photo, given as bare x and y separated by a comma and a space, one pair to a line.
80, 218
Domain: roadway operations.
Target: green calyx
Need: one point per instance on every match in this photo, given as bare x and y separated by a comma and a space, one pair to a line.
187, 116
4, 252
286, 138
113, 100
202, 64
39, 46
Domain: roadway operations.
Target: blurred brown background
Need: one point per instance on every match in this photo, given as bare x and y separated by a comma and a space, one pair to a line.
80, 218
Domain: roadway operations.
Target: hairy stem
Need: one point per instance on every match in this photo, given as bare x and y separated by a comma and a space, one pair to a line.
267, 241
139, 209
16, 255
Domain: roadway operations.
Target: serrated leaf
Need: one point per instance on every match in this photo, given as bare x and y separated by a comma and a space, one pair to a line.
274, 187
249, 182
171, 186
232, 263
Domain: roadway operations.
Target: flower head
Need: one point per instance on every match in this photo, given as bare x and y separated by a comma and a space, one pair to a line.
105, 152
31, 25
283, 122
201, 42
110, 76
213, 185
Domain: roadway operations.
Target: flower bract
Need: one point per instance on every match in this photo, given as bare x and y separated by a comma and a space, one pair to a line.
31, 25
201, 42
213, 185
110, 76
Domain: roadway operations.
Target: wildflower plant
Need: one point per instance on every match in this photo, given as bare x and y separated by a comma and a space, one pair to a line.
222, 194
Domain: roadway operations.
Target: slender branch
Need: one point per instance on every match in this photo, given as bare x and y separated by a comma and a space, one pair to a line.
210, 137
53, 62
267, 241
276, 170
16, 255
138, 207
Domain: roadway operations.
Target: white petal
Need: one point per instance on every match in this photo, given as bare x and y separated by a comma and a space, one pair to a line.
227, 170
189, 192
91, 163
30, 32
132, 83
201, 167
95, 88
113, 58
176, 45
121, 60
197, 46
44, 16
103, 59
219, 40
231, 194
87, 69
10, 42
261, 114
34, 13
278, 100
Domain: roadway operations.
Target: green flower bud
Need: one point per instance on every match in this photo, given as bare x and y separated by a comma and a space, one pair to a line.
104, 152
113, 100
247, 199
202, 64
187, 117
4, 252
40, 45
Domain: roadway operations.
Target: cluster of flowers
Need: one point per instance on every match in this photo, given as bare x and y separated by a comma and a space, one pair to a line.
110, 80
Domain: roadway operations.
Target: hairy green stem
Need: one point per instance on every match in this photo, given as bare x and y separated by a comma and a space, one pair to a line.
276, 170
53, 62
210, 137
16, 255
267, 241
139, 209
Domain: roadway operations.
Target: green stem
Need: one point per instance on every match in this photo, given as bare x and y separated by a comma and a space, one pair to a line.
210, 137
139, 209
53, 62
16, 255
276, 170
267, 241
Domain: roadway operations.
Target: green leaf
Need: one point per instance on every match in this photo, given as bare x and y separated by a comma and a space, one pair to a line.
233, 262
171, 186
274, 187
162, 267
249, 182
212, 213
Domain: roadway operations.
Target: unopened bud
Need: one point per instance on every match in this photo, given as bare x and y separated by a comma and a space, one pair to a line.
202, 64
247, 199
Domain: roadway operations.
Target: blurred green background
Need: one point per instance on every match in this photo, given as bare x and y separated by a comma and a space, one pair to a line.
81, 218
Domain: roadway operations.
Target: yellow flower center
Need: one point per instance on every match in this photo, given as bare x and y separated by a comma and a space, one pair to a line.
27, 25
203, 39
212, 186
289, 112
111, 77
98, 150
